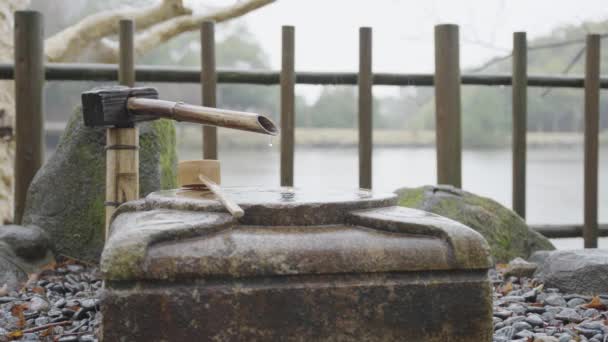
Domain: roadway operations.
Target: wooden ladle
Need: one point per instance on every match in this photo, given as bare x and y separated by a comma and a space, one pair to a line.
230, 205
203, 175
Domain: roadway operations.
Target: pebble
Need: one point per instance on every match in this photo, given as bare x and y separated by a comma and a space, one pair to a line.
506, 332
531, 313
41, 320
60, 303
545, 339
7, 299
590, 313
513, 299
574, 302
525, 334
39, 304
535, 309
502, 314
555, 300
70, 338
75, 268
570, 315
548, 316
89, 303
535, 320
519, 326
517, 308
70, 293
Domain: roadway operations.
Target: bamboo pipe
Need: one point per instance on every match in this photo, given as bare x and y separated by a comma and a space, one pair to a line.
180, 111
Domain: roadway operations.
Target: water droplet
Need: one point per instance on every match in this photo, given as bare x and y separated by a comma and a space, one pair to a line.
288, 194
270, 141
364, 193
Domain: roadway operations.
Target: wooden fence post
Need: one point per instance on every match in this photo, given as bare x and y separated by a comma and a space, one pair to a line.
288, 79
29, 113
592, 99
447, 105
519, 104
122, 156
365, 81
209, 84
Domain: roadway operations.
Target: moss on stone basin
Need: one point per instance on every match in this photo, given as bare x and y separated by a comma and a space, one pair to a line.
66, 198
507, 234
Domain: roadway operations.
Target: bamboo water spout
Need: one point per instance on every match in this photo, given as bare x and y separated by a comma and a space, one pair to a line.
119, 108
123, 107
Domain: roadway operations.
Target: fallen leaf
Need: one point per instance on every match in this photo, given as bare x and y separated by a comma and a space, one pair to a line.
31, 279
506, 288
17, 311
596, 303
501, 267
4, 290
15, 335
39, 290
47, 332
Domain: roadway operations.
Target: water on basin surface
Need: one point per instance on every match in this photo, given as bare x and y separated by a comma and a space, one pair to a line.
265, 195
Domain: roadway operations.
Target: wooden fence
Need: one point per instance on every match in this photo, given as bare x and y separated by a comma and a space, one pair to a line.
447, 81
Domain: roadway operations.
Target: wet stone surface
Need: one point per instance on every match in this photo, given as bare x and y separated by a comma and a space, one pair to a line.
60, 304
527, 311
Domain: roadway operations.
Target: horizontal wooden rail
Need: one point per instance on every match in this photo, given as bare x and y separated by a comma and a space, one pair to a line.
566, 231
167, 74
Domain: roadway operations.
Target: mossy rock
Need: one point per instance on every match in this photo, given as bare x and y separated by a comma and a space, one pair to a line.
507, 233
66, 198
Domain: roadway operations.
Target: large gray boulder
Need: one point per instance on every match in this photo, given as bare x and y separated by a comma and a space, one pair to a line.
66, 198
582, 271
507, 234
23, 250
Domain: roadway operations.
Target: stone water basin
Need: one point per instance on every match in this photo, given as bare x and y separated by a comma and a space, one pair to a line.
300, 265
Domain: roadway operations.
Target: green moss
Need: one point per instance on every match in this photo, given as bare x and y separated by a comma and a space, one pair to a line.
165, 130
158, 156
412, 198
506, 233
73, 123
85, 226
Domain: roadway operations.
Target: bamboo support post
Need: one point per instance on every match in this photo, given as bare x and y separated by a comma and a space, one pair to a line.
519, 107
209, 85
592, 99
122, 169
29, 114
447, 105
122, 144
365, 81
287, 105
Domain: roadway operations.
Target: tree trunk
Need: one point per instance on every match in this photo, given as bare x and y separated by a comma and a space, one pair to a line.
7, 109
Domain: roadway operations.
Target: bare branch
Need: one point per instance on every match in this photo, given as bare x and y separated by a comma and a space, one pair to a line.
536, 47
569, 67
164, 31
573, 61
69, 43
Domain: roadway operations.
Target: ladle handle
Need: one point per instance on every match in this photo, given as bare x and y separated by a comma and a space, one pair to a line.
232, 207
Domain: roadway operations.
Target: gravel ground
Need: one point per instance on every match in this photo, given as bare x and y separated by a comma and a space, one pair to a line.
62, 304
526, 311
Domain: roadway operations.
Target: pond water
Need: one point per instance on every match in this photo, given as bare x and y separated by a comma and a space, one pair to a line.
554, 189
